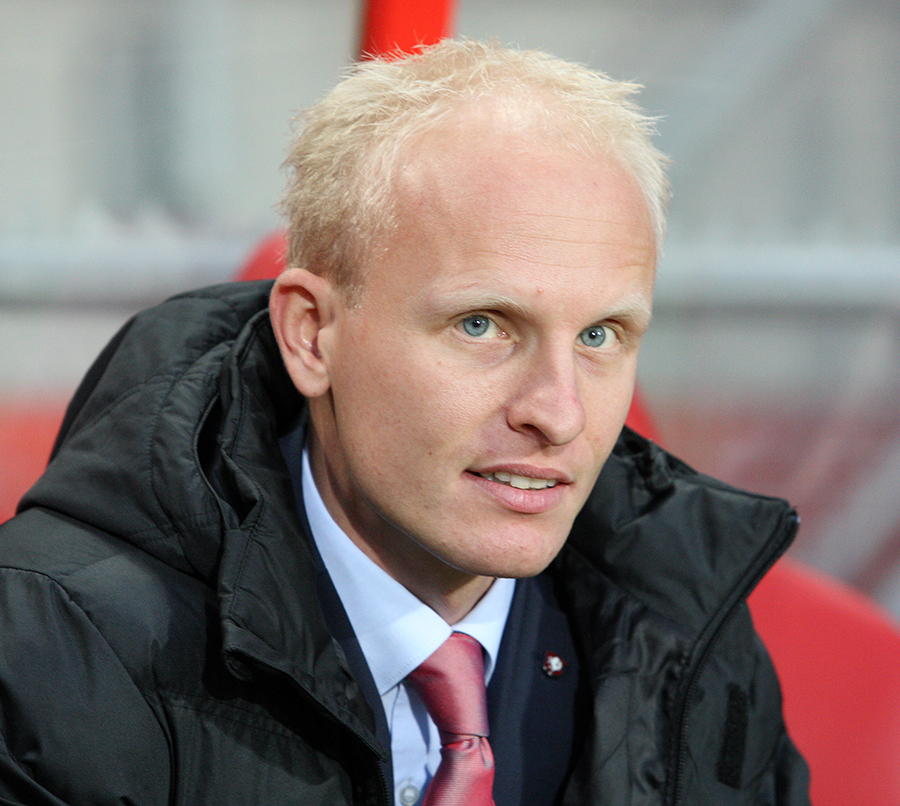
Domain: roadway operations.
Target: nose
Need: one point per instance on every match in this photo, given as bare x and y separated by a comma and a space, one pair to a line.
547, 400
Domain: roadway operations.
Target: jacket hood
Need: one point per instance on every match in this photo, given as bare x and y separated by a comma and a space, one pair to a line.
171, 443
150, 445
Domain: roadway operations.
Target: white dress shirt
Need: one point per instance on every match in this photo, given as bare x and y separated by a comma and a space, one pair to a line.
396, 632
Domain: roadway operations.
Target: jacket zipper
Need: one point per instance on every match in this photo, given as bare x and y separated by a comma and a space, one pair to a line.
387, 800
779, 547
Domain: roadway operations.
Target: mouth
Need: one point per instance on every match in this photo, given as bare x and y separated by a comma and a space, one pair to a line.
519, 482
530, 491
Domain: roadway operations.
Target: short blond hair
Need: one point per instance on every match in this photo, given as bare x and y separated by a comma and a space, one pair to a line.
339, 200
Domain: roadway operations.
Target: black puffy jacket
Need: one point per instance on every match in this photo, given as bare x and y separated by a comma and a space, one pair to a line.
161, 641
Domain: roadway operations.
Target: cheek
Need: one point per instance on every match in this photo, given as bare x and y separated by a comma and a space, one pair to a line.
401, 405
428, 381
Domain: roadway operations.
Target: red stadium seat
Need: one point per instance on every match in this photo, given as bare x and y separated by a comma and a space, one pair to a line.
393, 26
27, 431
267, 260
838, 660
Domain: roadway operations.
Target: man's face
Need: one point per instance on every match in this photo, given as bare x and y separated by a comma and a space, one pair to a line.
482, 381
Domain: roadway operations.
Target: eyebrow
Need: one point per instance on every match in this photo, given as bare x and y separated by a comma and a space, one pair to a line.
635, 308
482, 300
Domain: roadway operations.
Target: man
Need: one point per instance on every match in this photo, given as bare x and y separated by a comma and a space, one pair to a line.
266, 515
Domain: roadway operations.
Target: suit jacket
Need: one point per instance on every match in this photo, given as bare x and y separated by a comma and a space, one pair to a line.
536, 717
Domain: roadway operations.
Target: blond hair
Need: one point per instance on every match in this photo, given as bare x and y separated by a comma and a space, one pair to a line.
338, 200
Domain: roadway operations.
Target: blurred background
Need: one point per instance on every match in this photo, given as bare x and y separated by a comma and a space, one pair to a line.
140, 145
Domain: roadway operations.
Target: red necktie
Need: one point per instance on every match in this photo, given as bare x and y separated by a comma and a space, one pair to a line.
451, 684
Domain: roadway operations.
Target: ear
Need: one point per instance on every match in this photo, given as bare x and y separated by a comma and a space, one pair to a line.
301, 307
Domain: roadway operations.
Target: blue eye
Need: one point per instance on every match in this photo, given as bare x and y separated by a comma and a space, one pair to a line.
476, 325
593, 336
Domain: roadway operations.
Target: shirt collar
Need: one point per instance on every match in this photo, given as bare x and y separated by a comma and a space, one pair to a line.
396, 630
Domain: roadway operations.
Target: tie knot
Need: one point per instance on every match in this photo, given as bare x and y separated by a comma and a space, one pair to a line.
450, 682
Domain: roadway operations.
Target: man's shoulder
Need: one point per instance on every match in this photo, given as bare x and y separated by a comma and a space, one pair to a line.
73, 583
76, 713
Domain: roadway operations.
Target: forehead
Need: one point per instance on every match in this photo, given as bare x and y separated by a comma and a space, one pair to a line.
478, 192
504, 225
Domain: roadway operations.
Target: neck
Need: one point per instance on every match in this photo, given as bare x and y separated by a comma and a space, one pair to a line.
449, 591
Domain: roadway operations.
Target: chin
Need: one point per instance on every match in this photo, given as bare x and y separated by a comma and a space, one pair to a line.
513, 562
524, 570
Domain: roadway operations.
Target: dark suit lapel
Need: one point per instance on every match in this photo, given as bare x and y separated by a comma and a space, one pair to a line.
537, 704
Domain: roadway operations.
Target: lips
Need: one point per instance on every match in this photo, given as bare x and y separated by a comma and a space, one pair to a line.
523, 488
519, 482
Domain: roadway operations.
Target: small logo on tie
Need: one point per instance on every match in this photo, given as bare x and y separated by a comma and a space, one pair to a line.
553, 665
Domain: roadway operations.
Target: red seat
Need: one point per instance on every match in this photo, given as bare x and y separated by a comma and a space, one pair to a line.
392, 26
838, 660
267, 259
27, 431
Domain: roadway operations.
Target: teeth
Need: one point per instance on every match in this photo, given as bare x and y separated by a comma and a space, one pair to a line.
519, 482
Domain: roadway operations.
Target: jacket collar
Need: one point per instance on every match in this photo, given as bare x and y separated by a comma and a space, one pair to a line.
269, 605
684, 544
